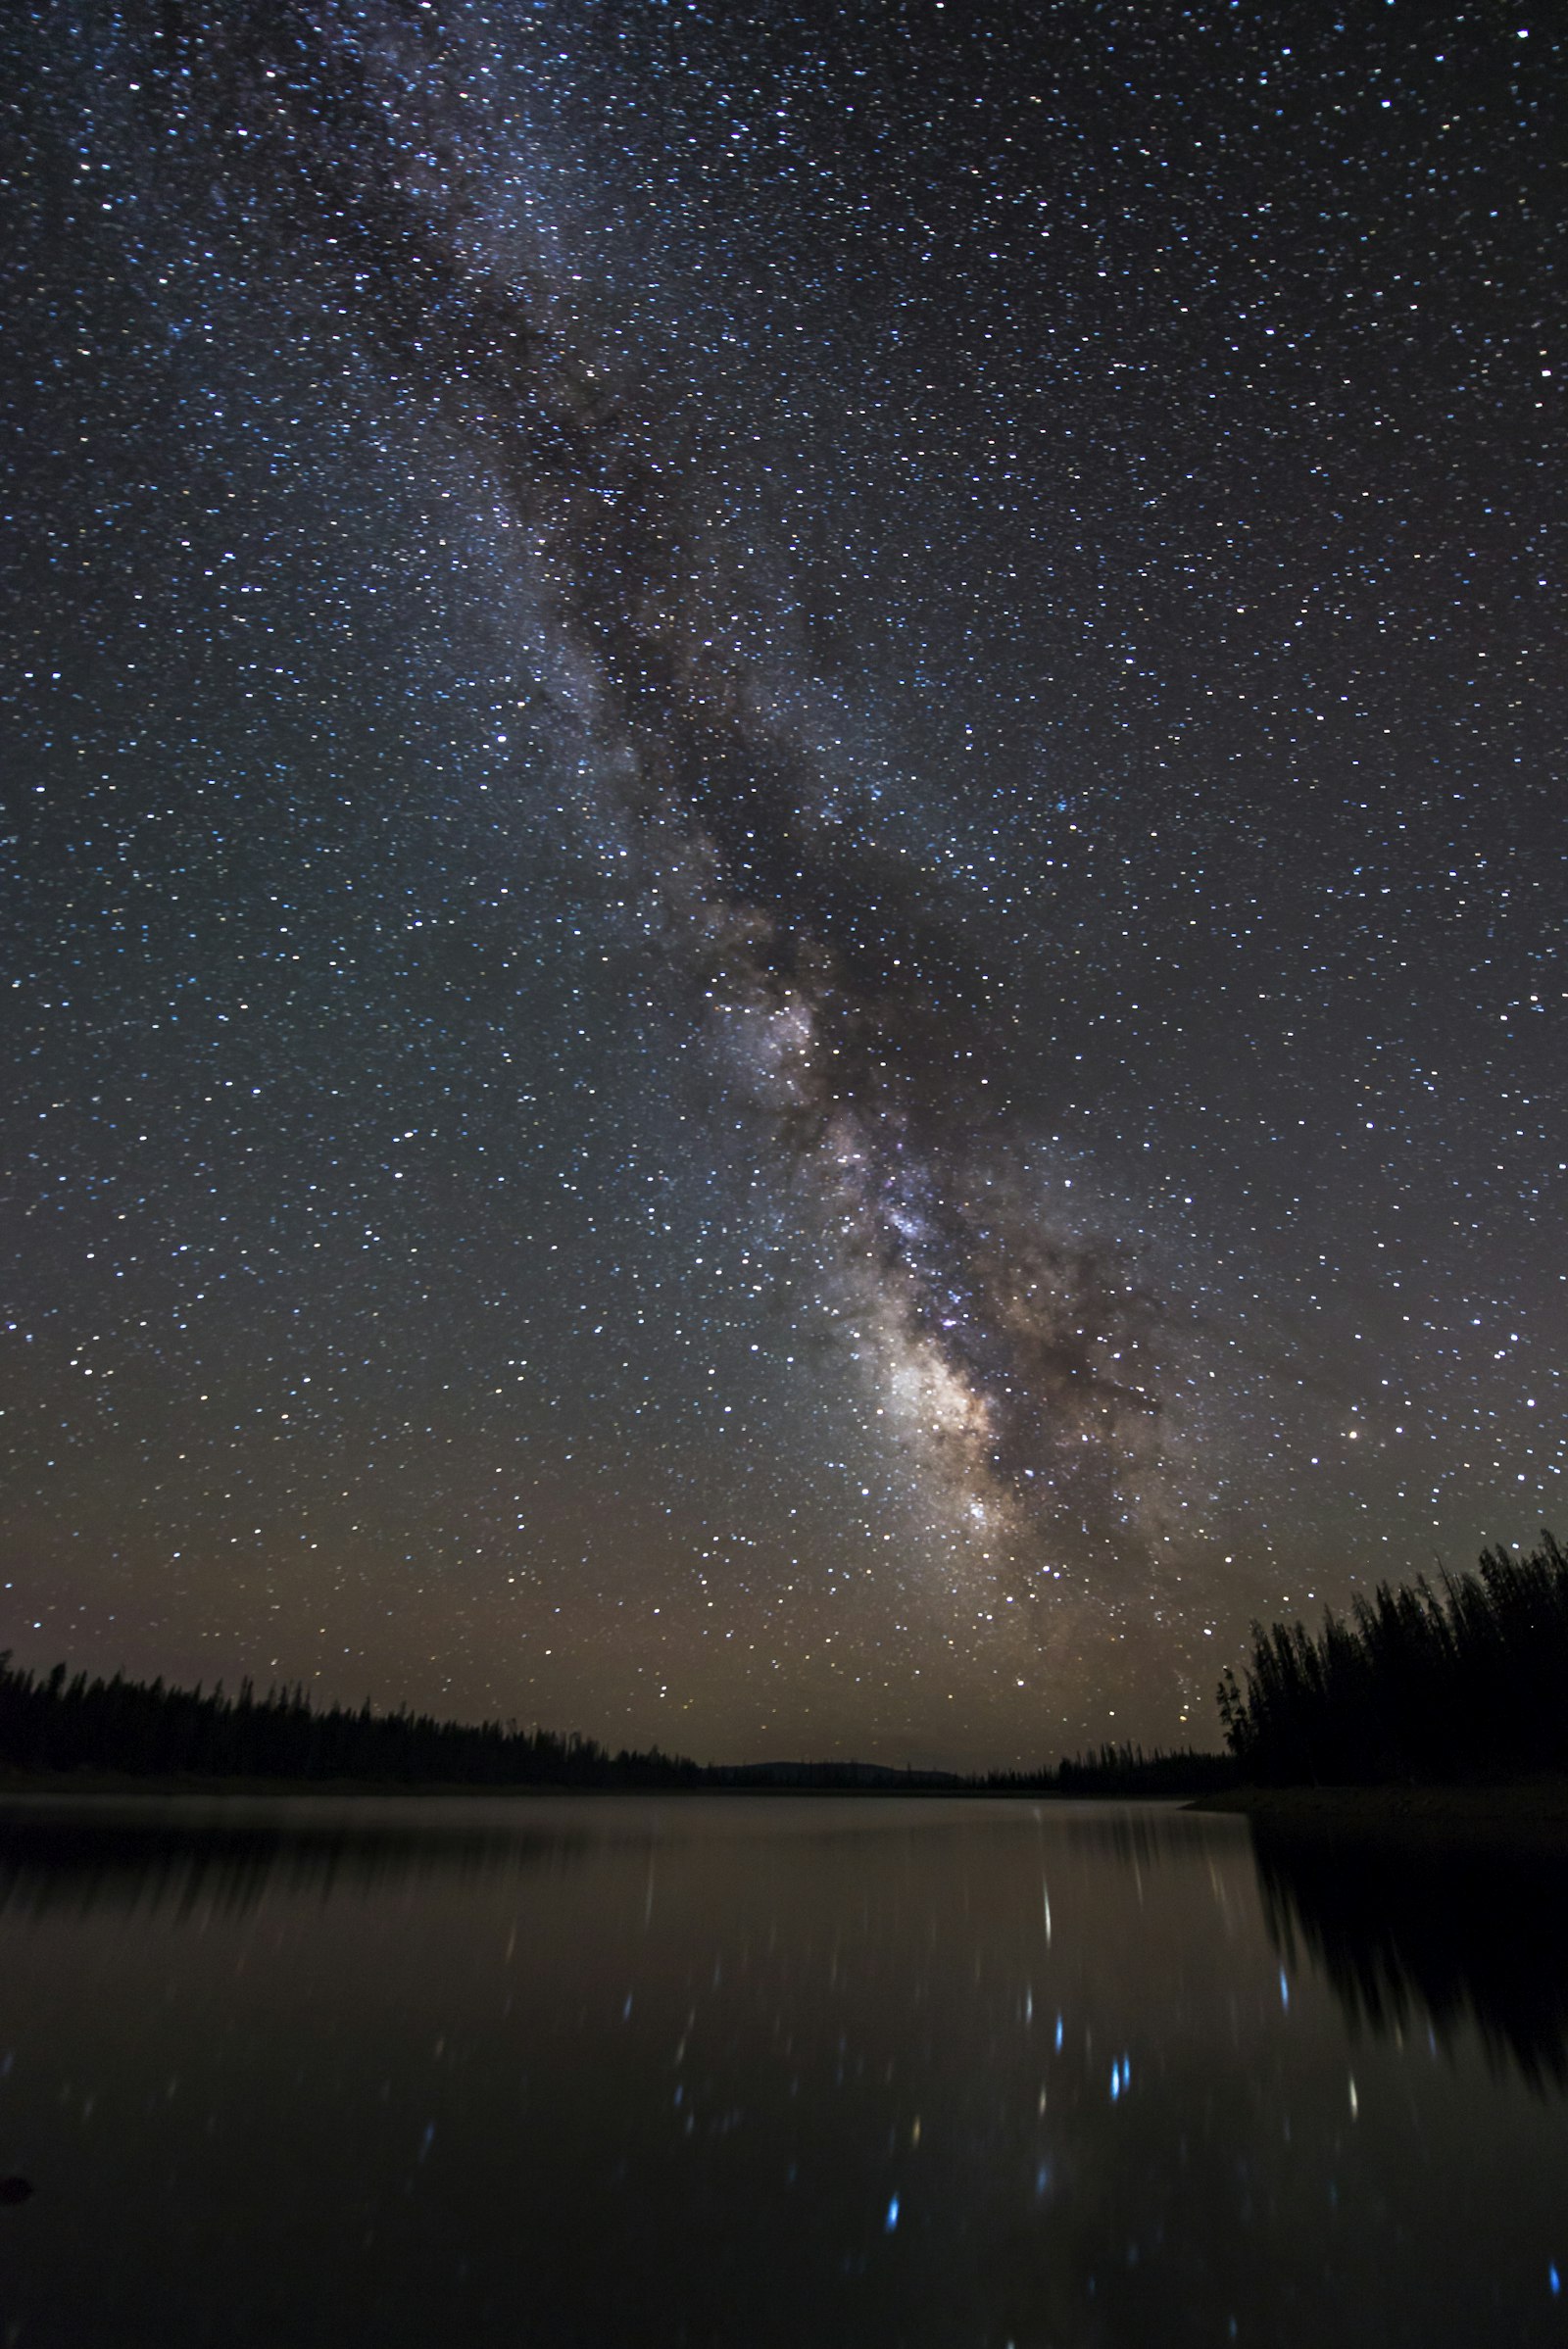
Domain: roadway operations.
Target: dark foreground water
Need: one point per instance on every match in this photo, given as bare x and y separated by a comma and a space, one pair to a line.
742, 2072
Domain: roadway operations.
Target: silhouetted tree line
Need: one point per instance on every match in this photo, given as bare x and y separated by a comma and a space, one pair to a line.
1465, 1681
1122, 1770
146, 1728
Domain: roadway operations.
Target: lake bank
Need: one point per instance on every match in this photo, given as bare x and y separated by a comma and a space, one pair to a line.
172, 1785
1537, 1808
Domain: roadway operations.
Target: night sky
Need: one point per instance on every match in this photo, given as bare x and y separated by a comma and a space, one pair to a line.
784, 848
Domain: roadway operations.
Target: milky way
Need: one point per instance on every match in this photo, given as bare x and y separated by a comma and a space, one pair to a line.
843, 1015
890, 676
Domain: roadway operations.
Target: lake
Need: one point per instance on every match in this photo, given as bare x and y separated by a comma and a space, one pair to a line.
739, 2071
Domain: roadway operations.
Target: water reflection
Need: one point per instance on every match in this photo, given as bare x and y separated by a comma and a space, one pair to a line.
62, 1854
609, 2073
1417, 1931
127, 1854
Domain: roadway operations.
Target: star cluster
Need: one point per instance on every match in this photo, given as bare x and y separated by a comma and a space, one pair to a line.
787, 846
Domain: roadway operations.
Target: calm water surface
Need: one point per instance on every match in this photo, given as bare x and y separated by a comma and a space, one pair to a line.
738, 2072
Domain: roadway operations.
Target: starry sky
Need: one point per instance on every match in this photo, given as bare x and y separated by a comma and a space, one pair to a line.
784, 839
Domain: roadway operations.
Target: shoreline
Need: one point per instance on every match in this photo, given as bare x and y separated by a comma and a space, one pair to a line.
1536, 1807
170, 1786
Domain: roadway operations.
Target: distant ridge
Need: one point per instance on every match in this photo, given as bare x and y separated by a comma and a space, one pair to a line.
827, 1774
